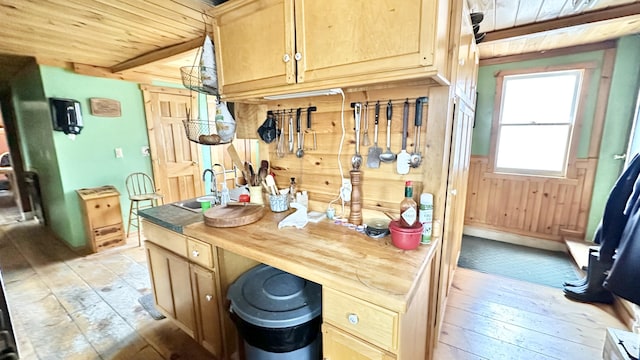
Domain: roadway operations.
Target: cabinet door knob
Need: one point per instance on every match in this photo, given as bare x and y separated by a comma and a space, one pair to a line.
195, 253
454, 192
297, 56
353, 318
208, 297
286, 58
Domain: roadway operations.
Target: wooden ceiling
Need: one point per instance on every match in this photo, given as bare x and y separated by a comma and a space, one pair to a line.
528, 26
112, 35
142, 40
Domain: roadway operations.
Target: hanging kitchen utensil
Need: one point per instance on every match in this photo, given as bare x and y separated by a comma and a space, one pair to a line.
309, 130
280, 148
388, 155
373, 157
291, 142
300, 151
402, 165
365, 138
356, 160
268, 130
416, 155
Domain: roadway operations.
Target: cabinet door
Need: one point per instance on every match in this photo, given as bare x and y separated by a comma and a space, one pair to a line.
338, 345
457, 188
338, 38
206, 301
170, 279
253, 39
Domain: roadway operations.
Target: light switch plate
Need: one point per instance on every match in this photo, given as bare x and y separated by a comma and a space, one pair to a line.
119, 153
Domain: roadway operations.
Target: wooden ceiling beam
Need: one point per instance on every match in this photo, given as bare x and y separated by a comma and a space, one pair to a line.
565, 22
157, 55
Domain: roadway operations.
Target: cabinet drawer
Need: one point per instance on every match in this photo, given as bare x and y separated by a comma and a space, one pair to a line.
200, 253
166, 238
363, 319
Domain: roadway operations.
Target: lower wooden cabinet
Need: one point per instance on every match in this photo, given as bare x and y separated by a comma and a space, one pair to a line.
340, 345
171, 282
188, 294
207, 307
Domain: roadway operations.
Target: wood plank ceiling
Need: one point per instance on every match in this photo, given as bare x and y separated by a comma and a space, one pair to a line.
526, 26
107, 34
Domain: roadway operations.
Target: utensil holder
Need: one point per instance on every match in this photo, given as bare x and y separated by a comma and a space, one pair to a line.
279, 203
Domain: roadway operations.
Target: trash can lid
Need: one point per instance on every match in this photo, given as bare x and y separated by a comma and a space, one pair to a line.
268, 297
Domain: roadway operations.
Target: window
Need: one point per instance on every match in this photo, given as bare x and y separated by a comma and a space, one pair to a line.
536, 122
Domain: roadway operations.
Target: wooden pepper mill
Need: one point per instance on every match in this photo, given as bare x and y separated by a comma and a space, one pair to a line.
355, 215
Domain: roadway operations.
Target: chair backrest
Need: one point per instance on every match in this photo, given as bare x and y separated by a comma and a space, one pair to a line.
139, 183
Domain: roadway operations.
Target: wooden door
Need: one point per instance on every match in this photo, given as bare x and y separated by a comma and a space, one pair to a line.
171, 282
338, 38
252, 40
456, 194
176, 161
206, 302
340, 345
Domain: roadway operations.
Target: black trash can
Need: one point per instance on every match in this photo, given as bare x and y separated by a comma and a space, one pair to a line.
277, 314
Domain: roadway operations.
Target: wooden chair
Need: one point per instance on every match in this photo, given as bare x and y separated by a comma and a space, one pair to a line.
142, 195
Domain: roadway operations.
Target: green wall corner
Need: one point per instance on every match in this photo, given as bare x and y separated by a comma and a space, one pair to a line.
66, 164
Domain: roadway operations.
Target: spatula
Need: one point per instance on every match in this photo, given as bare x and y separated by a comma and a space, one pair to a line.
402, 165
373, 156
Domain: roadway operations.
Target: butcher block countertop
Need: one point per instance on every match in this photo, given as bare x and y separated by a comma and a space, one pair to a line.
329, 254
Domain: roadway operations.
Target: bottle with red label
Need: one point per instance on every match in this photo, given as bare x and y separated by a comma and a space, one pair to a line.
408, 207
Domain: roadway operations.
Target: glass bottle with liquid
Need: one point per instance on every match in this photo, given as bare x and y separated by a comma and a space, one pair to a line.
408, 207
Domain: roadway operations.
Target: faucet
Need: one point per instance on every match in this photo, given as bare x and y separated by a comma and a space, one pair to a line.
224, 193
214, 184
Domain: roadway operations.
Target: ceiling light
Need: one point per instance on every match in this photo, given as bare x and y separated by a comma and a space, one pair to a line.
334, 91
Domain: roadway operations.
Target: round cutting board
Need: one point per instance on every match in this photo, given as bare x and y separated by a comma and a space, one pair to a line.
233, 215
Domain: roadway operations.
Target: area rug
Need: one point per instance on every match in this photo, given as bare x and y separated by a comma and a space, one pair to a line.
545, 267
148, 304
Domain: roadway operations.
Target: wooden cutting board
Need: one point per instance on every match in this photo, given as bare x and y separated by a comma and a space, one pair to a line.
233, 215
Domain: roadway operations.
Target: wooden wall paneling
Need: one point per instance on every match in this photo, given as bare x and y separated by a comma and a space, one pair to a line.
318, 170
534, 206
522, 207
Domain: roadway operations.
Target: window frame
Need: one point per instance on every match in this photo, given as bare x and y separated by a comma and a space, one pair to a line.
575, 127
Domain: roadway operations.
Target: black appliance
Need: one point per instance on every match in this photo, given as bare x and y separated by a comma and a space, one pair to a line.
66, 115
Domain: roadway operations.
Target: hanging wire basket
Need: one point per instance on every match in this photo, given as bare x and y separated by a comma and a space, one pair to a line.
202, 132
200, 79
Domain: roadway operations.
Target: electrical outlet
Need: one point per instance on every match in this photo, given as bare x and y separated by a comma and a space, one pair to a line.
145, 151
345, 190
118, 152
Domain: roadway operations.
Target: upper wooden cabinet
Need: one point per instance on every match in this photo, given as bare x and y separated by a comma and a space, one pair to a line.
274, 46
465, 69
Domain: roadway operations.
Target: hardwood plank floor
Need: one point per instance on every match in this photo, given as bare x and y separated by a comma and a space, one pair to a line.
69, 306
492, 317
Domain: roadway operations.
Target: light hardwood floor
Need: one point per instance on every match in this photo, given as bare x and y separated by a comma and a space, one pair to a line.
492, 317
68, 306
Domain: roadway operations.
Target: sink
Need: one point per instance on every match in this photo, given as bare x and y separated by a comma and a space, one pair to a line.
191, 204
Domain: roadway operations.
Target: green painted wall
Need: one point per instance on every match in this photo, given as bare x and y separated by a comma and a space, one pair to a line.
66, 164
618, 118
618, 121
37, 146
